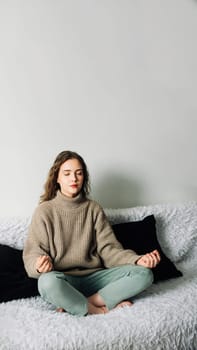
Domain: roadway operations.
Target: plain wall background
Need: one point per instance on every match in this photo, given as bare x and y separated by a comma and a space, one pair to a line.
113, 80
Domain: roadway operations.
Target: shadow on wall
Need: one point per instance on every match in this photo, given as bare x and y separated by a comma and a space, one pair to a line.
114, 190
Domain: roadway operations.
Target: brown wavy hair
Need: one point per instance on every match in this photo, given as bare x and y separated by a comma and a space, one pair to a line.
51, 186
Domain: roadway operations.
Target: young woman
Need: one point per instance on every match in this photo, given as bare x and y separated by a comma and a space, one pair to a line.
72, 250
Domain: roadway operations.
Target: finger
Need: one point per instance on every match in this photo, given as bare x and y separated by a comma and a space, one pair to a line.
47, 262
44, 268
150, 260
155, 259
41, 260
157, 255
44, 259
158, 259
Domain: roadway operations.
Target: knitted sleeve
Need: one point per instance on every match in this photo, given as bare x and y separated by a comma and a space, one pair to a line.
36, 244
108, 247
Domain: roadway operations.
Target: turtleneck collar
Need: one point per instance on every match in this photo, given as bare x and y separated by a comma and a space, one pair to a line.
69, 202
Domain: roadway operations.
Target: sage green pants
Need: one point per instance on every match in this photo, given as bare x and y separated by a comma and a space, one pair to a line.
114, 285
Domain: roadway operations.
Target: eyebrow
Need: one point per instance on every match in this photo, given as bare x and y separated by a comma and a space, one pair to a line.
65, 170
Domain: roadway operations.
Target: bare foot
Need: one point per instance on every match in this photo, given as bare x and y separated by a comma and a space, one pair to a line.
95, 310
60, 309
124, 303
96, 305
96, 300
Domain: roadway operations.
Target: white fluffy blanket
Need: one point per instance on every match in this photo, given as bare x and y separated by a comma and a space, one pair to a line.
162, 318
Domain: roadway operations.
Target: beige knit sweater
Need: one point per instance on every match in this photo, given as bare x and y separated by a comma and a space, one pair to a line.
77, 236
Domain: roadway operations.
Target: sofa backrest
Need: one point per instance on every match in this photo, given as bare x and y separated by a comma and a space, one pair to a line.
176, 226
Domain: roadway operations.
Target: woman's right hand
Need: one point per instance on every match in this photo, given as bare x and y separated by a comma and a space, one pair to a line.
44, 264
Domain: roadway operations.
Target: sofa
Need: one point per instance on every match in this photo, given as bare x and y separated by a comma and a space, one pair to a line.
164, 317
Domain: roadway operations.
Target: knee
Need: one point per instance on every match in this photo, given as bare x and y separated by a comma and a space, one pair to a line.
46, 282
144, 274
147, 275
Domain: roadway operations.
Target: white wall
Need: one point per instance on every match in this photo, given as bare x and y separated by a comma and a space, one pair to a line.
116, 81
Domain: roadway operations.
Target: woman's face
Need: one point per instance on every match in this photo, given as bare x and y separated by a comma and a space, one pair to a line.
70, 177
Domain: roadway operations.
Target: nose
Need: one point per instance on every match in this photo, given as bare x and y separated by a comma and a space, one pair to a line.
74, 177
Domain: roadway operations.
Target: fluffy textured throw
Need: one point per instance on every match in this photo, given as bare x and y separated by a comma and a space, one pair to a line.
162, 318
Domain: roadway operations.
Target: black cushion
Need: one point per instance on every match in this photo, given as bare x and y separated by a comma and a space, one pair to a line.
141, 237
15, 283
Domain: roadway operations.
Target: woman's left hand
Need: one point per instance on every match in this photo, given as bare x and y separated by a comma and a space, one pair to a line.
150, 260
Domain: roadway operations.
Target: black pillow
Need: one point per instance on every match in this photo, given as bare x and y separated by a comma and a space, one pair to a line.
15, 284
141, 237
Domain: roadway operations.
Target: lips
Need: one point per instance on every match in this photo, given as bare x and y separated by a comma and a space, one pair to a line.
74, 186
